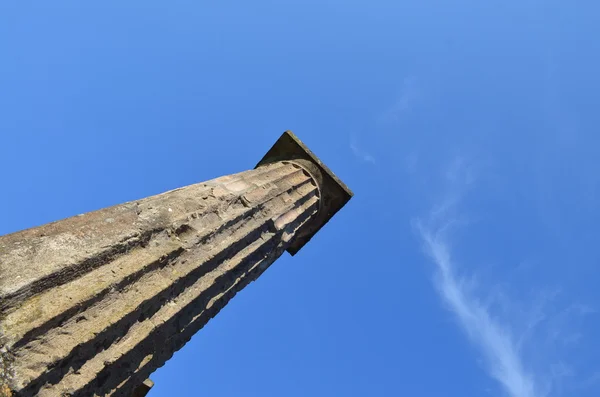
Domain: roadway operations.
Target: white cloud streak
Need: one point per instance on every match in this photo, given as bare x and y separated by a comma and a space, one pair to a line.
526, 348
361, 153
409, 93
494, 339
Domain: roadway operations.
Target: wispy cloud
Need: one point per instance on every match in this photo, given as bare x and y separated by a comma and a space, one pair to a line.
525, 348
494, 339
359, 152
404, 102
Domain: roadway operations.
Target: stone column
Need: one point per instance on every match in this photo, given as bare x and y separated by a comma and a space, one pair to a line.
93, 304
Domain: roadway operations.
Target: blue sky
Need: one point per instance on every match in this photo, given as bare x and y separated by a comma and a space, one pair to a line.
466, 263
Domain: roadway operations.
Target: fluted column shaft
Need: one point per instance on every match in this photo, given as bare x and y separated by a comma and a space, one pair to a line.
91, 305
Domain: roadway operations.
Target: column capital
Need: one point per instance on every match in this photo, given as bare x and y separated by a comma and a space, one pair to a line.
334, 193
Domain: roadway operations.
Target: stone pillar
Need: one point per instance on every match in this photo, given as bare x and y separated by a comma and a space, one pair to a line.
93, 304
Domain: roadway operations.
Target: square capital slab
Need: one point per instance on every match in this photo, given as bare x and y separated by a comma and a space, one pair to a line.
334, 193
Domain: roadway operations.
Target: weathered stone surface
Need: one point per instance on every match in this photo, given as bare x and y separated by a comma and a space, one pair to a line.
93, 304
143, 389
